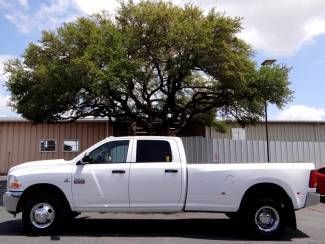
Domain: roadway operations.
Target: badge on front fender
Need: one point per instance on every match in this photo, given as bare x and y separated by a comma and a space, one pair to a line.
79, 181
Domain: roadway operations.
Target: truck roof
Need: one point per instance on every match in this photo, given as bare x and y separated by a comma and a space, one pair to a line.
144, 137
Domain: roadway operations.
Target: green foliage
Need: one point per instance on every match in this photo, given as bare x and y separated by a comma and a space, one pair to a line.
156, 64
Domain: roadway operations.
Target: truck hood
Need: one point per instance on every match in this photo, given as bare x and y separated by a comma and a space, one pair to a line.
48, 164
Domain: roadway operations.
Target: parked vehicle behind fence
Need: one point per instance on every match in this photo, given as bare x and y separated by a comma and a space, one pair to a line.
321, 181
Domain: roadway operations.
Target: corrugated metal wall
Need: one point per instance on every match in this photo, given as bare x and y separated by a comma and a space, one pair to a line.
209, 150
199, 149
20, 141
278, 131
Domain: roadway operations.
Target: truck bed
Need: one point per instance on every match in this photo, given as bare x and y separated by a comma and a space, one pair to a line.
220, 187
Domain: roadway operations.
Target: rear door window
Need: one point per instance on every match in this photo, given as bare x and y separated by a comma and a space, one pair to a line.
149, 151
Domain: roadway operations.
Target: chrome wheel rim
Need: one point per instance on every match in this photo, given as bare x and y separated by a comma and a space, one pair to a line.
42, 215
267, 219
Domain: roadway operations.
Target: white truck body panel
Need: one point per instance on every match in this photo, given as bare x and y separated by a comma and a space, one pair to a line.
220, 187
151, 188
53, 172
102, 189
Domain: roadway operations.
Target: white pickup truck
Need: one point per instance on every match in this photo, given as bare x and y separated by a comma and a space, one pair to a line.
150, 174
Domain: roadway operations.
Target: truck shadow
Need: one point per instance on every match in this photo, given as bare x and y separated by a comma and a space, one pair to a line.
204, 229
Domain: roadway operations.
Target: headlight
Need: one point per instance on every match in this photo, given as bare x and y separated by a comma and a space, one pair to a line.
13, 183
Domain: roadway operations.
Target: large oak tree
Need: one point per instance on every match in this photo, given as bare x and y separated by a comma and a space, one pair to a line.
154, 65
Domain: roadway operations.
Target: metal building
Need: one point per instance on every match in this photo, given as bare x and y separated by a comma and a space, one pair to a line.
278, 131
22, 141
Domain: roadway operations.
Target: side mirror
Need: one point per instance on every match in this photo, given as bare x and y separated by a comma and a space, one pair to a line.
85, 160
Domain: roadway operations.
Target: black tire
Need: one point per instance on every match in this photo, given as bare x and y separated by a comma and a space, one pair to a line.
42, 208
232, 215
266, 218
74, 214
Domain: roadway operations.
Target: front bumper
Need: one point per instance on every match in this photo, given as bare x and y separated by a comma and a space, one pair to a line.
312, 198
10, 201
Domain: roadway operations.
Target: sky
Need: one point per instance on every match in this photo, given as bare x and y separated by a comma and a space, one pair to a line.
290, 31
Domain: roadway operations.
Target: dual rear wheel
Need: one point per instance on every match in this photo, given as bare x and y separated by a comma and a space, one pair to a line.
266, 218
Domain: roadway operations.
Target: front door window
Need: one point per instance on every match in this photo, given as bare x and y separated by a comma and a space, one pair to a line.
110, 152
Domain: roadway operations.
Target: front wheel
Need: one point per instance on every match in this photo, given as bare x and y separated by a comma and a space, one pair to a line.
42, 215
266, 218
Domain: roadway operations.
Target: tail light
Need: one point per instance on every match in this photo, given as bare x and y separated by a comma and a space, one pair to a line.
313, 179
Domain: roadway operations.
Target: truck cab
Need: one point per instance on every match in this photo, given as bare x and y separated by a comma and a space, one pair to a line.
141, 174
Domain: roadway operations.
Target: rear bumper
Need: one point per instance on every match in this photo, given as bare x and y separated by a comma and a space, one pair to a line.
312, 198
10, 201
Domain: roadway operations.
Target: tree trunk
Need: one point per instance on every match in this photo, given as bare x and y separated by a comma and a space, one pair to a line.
133, 128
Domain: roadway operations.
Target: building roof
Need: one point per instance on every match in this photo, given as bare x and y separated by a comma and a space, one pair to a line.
20, 119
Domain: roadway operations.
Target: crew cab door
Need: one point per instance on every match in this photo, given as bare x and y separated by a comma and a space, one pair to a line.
155, 176
103, 183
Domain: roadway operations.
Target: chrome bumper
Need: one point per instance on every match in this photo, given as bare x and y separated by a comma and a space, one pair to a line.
312, 198
10, 201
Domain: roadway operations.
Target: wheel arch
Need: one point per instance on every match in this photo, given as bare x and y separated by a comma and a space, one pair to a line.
42, 188
274, 191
